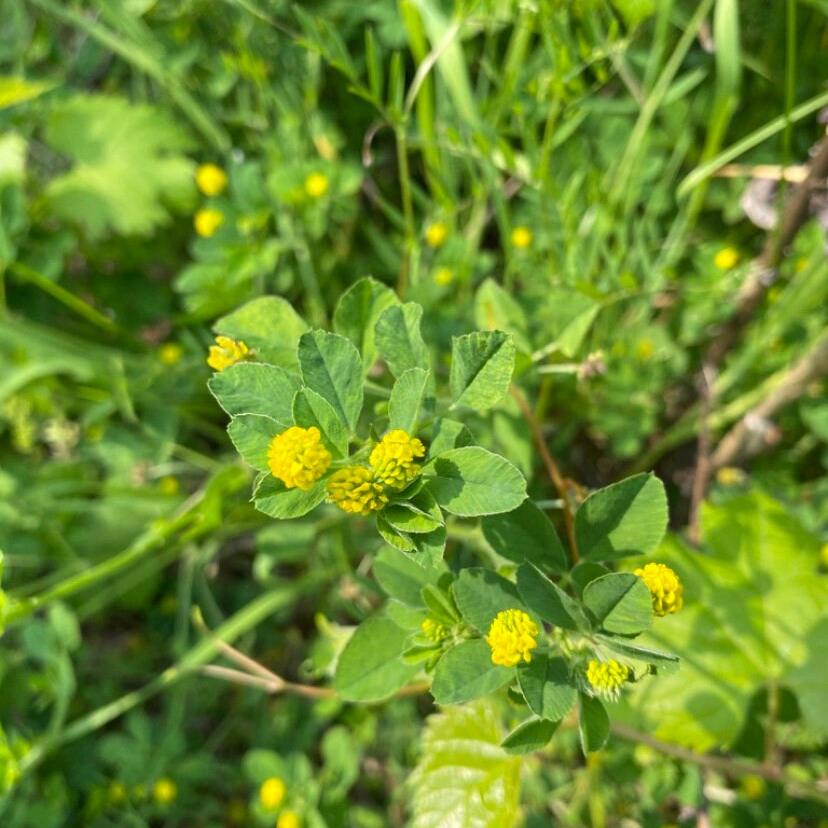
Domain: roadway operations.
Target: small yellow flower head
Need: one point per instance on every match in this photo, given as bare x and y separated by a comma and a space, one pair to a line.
433, 630
730, 476
354, 489
522, 237
117, 793
393, 459
436, 233
170, 353
297, 457
271, 793
664, 586
164, 791
443, 276
512, 637
752, 786
644, 349
210, 179
226, 352
607, 677
316, 185
288, 819
207, 220
169, 485
726, 258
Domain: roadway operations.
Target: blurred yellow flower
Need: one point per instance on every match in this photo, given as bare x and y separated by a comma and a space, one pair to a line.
117, 792
664, 586
433, 630
210, 179
288, 819
726, 258
512, 637
354, 489
271, 793
644, 349
164, 791
443, 276
607, 677
522, 237
730, 476
170, 353
436, 233
168, 485
226, 352
207, 221
297, 457
316, 185
752, 786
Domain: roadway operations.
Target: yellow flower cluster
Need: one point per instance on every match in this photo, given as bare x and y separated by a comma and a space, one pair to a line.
207, 220
210, 179
433, 630
512, 637
316, 185
297, 457
271, 793
521, 237
726, 258
665, 587
394, 459
607, 677
436, 233
288, 819
355, 490
226, 352
164, 791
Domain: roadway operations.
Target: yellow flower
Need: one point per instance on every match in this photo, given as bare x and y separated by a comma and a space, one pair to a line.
522, 237
354, 489
117, 792
271, 793
752, 786
226, 352
436, 233
170, 353
164, 791
207, 220
168, 485
433, 630
512, 637
393, 459
443, 276
730, 476
664, 586
210, 179
726, 258
607, 677
644, 349
316, 185
297, 457
288, 819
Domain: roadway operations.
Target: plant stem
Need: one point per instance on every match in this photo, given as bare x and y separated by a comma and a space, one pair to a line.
408, 210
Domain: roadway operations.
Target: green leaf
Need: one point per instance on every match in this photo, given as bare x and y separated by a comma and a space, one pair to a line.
370, 667
398, 338
584, 572
402, 578
547, 687
448, 434
15, 90
331, 366
269, 326
421, 515
399, 540
627, 518
255, 388
310, 409
620, 602
472, 481
548, 600
496, 309
440, 605
530, 736
466, 672
482, 364
481, 594
526, 534
409, 397
273, 498
593, 724
665, 662
464, 778
430, 546
128, 167
251, 435
357, 313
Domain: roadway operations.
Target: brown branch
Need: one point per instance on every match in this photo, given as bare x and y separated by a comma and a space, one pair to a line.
552, 469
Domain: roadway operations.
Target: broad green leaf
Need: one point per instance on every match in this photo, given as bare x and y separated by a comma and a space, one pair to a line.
464, 778
251, 435
482, 364
12, 159
430, 546
398, 339
357, 313
620, 603
530, 736
585, 571
548, 600
331, 366
409, 399
466, 672
15, 90
593, 724
421, 515
526, 534
310, 409
496, 309
440, 604
270, 326
570, 339
448, 434
403, 578
394, 537
472, 481
481, 594
255, 388
627, 518
274, 499
128, 165
547, 687
665, 662
370, 667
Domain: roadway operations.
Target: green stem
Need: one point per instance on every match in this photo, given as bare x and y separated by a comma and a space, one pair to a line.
408, 209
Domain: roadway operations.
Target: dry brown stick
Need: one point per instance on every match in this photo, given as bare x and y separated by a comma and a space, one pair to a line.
552, 469
747, 437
